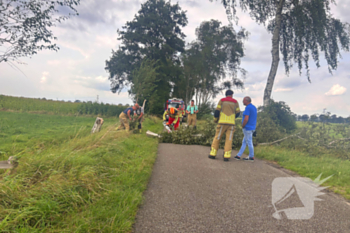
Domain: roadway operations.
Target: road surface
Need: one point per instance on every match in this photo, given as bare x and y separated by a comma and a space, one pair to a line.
188, 192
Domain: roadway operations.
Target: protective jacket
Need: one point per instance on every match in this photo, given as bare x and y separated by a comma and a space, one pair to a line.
175, 115
181, 112
226, 111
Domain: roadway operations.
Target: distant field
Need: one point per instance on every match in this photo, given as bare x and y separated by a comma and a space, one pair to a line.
333, 129
21, 104
29, 132
68, 180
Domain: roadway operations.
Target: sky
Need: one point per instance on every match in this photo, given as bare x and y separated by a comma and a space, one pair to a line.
77, 70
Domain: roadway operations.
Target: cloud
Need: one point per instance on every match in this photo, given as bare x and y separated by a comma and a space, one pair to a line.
44, 77
192, 3
336, 90
283, 89
97, 83
103, 14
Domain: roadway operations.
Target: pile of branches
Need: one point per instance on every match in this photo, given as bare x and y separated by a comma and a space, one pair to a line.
203, 135
318, 139
315, 139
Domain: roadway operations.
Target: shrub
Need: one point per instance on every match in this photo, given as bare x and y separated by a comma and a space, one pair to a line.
205, 109
280, 114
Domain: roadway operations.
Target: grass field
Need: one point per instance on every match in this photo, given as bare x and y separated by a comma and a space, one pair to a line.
43, 106
310, 166
68, 180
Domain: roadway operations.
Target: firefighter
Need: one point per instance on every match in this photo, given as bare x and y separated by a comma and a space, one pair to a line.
181, 114
225, 115
124, 115
173, 117
192, 111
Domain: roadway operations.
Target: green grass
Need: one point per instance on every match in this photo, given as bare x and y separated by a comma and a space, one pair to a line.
68, 180
311, 167
43, 106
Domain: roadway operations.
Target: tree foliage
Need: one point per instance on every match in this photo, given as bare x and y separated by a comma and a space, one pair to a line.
301, 29
155, 34
25, 26
211, 63
280, 114
144, 85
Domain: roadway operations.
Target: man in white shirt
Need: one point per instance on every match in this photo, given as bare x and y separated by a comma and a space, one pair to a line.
139, 112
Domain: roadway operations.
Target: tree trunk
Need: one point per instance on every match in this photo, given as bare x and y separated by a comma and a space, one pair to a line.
275, 54
97, 126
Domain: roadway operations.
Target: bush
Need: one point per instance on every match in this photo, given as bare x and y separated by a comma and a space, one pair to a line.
280, 114
205, 109
187, 136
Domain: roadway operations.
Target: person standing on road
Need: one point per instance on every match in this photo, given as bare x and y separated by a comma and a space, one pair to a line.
125, 115
249, 119
192, 111
225, 115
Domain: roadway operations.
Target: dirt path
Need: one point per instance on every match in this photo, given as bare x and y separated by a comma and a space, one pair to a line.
188, 192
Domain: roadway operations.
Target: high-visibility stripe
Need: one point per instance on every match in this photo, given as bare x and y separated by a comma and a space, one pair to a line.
224, 119
219, 106
219, 133
231, 133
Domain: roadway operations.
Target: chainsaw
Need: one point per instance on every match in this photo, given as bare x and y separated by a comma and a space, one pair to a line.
168, 129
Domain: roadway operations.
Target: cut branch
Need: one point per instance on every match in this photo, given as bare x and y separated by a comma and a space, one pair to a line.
342, 139
280, 140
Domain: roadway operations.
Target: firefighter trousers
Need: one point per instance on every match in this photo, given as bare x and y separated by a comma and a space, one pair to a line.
192, 119
220, 130
124, 123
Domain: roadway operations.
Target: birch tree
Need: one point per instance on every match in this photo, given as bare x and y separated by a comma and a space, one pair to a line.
301, 29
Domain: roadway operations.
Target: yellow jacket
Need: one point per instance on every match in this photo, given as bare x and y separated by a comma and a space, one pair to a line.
181, 112
225, 112
176, 115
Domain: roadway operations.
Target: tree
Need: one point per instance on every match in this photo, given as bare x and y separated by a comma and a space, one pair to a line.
347, 120
300, 29
214, 55
305, 117
340, 120
144, 85
154, 34
280, 114
333, 118
25, 26
314, 117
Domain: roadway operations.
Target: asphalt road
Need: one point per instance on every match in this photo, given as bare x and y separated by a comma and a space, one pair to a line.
188, 192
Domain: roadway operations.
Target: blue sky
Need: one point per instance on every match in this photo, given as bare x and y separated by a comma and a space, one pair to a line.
77, 71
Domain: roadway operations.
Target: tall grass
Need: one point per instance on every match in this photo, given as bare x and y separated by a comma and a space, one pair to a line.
68, 180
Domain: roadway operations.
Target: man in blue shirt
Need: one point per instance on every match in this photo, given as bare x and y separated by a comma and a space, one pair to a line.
248, 125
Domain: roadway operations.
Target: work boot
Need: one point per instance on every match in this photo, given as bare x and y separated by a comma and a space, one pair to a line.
213, 153
227, 156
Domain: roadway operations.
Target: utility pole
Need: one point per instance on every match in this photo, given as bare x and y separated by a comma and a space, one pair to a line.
97, 99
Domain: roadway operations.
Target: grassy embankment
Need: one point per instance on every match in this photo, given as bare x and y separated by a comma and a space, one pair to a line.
311, 166
68, 180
